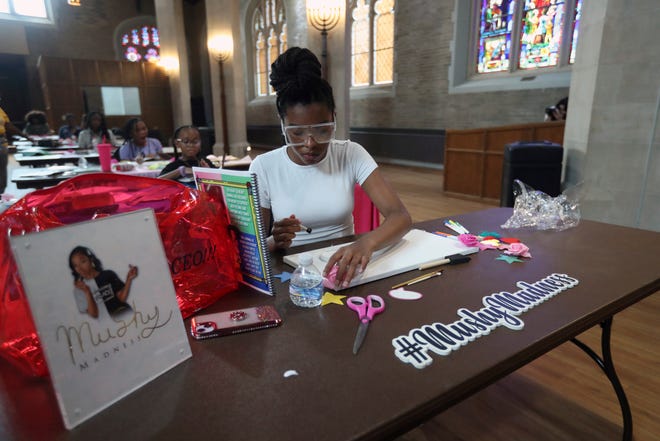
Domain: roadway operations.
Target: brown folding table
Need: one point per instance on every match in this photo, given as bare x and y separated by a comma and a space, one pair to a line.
235, 388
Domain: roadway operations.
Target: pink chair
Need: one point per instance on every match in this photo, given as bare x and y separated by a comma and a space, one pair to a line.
365, 214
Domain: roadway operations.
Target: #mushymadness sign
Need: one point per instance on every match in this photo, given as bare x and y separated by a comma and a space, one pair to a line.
500, 309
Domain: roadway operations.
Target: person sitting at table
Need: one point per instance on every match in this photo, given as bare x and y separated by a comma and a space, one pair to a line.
138, 146
36, 124
188, 140
6, 128
96, 132
313, 175
69, 129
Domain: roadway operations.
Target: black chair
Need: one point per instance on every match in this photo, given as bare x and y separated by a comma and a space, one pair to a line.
536, 163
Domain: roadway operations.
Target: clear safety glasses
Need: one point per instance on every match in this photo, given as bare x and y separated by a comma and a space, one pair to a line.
298, 135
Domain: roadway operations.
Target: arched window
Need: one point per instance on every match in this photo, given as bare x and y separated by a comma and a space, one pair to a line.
269, 41
526, 34
372, 42
137, 39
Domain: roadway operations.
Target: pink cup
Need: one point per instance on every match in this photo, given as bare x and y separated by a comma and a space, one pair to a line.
105, 156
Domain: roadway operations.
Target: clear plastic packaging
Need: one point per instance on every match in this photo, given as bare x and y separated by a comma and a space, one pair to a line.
306, 285
535, 209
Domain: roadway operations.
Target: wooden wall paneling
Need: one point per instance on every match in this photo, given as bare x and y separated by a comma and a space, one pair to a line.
552, 131
155, 75
55, 70
492, 180
157, 109
131, 74
109, 73
85, 72
492, 156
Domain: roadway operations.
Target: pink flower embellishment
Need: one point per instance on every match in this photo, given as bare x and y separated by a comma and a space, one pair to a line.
518, 249
469, 240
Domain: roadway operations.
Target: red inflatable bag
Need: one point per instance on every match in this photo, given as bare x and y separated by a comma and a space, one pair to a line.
201, 251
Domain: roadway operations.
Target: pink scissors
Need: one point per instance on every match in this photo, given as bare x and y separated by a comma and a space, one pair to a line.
366, 310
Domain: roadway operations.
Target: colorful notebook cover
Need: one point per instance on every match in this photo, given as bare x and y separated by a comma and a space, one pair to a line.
241, 195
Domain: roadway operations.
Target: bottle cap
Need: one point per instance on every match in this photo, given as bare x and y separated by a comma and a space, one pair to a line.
305, 259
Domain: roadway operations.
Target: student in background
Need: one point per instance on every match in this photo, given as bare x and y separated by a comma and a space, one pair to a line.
311, 179
188, 140
96, 132
138, 146
7, 128
36, 124
558, 111
69, 129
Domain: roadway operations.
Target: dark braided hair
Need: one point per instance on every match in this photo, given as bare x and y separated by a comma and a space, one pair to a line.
296, 77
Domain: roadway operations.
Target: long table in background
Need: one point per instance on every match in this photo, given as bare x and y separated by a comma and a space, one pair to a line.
235, 387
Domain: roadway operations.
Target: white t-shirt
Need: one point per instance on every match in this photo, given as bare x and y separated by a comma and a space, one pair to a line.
320, 195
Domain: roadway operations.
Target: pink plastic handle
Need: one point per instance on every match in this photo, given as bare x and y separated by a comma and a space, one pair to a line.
375, 305
366, 309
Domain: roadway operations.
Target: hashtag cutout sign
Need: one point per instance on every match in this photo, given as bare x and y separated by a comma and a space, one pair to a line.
500, 309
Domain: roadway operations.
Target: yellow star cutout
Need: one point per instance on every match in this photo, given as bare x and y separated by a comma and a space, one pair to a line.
329, 297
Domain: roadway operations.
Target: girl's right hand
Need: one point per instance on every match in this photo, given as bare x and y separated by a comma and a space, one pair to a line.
81, 285
284, 231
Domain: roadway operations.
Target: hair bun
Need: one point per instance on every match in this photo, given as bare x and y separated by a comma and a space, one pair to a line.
296, 67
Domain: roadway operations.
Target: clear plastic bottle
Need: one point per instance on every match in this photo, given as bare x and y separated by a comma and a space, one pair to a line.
306, 285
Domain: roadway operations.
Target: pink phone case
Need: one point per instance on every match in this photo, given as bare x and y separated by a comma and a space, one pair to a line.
233, 322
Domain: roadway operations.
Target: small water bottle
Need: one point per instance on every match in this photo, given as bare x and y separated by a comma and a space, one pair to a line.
306, 285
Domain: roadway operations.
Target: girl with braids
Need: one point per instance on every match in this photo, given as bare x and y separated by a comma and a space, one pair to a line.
188, 140
311, 178
95, 132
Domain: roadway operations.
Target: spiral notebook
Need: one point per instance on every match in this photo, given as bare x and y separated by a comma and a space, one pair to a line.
240, 191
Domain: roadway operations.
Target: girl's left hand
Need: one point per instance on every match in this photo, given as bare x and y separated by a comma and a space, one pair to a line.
351, 261
132, 272
204, 163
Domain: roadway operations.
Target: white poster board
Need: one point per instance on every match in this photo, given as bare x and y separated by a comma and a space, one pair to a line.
416, 248
124, 329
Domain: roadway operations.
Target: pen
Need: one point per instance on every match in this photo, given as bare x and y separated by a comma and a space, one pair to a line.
304, 228
452, 260
418, 279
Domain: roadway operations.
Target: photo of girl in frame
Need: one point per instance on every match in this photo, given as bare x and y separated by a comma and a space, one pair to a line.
96, 289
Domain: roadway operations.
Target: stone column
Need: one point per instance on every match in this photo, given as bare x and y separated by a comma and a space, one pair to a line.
612, 141
223, 18
173, 52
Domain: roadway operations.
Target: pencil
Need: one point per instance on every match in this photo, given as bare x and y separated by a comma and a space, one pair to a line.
418, 279
304, 228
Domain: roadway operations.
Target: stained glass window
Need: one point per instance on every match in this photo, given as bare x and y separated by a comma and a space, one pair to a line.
495, 35
141, 44
576, 24
372, 42
269, 38
525, 34
542, 28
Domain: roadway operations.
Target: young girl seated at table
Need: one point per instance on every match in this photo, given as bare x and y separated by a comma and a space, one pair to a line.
138, 145
188, 140
311, 179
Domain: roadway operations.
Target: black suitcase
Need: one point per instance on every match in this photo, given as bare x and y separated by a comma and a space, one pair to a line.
536, 163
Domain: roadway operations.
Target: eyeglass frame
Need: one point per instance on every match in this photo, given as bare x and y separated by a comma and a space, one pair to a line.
188, 142
308, 126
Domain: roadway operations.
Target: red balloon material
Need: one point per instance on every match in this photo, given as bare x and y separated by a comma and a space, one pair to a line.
201, 250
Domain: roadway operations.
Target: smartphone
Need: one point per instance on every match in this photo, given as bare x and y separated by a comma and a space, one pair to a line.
234, 322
